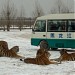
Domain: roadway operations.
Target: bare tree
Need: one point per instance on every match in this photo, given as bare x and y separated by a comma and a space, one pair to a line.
38, 11
2, 23
8, 13
60, 7
21, 18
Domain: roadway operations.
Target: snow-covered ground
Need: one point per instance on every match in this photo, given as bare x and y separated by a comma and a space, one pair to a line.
12, 66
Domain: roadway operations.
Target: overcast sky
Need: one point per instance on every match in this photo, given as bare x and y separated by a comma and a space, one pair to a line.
29, 5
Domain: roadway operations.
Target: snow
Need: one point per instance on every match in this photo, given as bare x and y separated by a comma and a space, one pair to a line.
12, 66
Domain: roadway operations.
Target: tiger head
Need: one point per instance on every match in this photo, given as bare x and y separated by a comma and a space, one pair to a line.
43, 51
4, 44
63, 51
15, 49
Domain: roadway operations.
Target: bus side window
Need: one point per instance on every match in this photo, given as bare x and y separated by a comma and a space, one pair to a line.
51, 26
56, 25
59, 29
71, 27
48, 26
59, 26
62, 26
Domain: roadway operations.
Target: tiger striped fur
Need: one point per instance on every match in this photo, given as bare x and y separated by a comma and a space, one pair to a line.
65, 56
4, 44
42, 58
40, 51
9, 53
15, 49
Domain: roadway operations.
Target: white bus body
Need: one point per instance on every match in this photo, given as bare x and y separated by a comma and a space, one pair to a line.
58, 30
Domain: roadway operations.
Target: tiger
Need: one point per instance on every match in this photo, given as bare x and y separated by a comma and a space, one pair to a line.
65, 56
40, 51
4, 44
9, 53
15, 49
41, 58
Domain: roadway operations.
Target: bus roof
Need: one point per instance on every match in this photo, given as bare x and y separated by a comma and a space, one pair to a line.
57, 16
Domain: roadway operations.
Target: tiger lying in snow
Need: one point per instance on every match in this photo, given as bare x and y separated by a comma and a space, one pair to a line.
9, 53
4, 44
64, 56
42, 58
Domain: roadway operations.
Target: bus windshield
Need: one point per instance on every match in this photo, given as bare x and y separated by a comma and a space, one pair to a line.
40, 26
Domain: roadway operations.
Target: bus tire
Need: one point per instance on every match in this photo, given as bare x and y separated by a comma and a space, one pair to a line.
44, 45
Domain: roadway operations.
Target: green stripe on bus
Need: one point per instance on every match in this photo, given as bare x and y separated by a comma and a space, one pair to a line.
55, 43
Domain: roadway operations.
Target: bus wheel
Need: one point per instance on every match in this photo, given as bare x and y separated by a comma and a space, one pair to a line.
44, 45
54, 48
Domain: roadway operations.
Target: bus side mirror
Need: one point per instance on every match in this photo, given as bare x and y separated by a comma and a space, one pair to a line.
33, 31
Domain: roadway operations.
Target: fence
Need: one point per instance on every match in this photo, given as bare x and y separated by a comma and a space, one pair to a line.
19, 22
